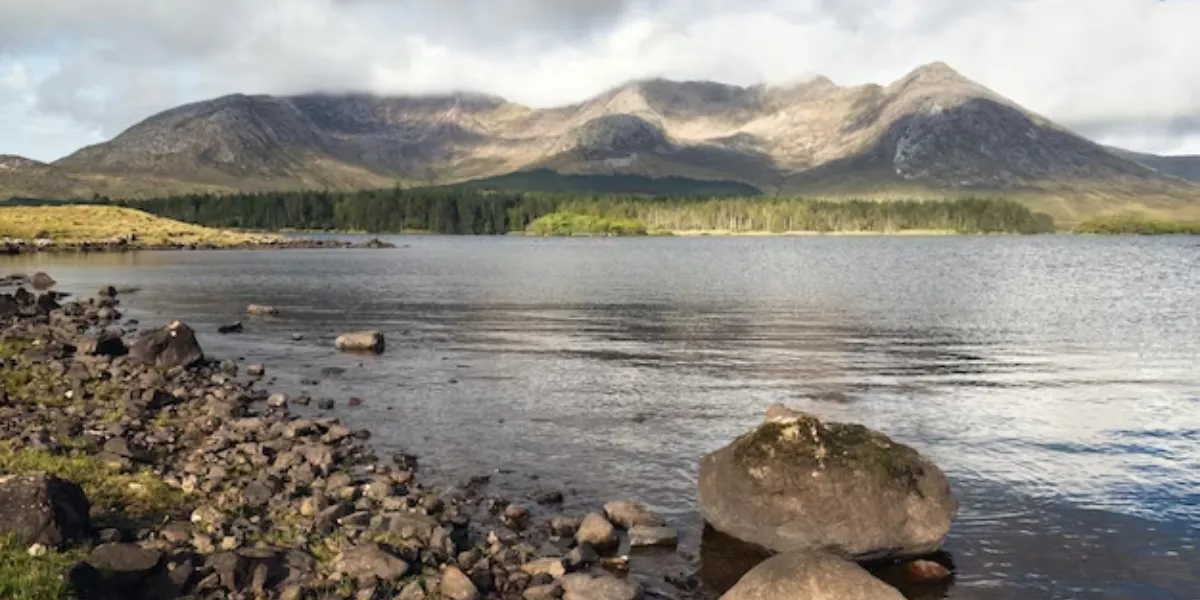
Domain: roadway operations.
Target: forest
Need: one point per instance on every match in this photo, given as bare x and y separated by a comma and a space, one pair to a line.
463, 210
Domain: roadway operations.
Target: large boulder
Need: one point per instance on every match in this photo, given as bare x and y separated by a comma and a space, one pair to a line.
360, 341
812, 576
171, 346
796, 483
43, 509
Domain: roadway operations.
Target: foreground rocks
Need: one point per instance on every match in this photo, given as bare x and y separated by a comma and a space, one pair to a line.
203, 486
797, 484
812, 576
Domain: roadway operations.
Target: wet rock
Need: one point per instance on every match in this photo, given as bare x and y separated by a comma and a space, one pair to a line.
296, 337
256, 370
456, 585
368, 561
46, 304
235, 327
302, 401
41, 281
277, 401
105, 343
172, 346
550, 591
628, 514
360, 341
643, 536
796, 483
43, 509
822, 576
549, 497
123, 565
262, 310
596, 531
325, 404
553, 567
916, 571
565, 526
354, 402
107, 291
580, 586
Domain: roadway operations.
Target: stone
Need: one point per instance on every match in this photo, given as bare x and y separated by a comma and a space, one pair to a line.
277, 401
796, 483
172, 346
235, 327
256, 493
360, 341
455, 585
643, 535
581, 557
580, 586
123, 565
553, 567
565, 526
41, 281
550, 591
262, 310
370, 560
43, 509
412, 591
256, 370
105, 343
107, 291
917, 571
820, 575
325, 404
628, 514
596, 531
549, 497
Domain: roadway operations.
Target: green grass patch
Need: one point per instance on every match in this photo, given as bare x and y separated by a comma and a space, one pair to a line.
567, 223
136, 495
25, 577
1133, 225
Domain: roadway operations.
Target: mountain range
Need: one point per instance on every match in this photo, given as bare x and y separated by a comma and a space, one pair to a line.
932, 133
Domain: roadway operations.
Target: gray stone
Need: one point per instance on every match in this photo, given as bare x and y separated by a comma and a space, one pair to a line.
123, 565
821, 576
796, 483
370, 560
172, 346
642, 535
597, 531
360, 341
43, 509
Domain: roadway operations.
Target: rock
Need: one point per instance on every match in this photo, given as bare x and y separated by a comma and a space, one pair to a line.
105, 343
628, 514
548, 497
262, 310
235, 327
256, 493
581, 557
550, 591
360, 341
597, 531
43, 509
325, 404
256, 370
296, 337
798, 484
579, 586
412, 591
41, 281
820, 575
277, 401
370, 560
123, 565
553, 567
107, 291
916, 571
172, 346
456, 585
643, 535
565, 526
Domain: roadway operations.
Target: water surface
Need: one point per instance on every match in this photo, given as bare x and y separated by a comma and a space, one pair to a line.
1056, 379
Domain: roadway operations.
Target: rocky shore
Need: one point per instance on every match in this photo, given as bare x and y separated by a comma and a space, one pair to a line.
133, 466
21, 246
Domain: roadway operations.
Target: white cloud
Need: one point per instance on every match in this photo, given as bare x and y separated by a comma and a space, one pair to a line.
1119, 70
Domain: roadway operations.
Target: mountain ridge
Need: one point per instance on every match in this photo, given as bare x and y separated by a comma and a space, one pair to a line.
932, 132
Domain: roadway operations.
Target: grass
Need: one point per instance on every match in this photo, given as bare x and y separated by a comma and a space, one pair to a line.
25, 577
566, 223
1129, 224
138, 495
78, 224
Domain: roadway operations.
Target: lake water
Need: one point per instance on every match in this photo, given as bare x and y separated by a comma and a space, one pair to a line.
1055, 379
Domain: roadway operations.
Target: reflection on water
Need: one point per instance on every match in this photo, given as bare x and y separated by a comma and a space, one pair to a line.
1054, 378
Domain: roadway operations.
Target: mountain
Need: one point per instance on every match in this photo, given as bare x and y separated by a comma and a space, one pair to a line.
932, 133
1183, 167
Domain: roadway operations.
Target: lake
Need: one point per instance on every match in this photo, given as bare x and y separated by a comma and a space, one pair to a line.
1056, 379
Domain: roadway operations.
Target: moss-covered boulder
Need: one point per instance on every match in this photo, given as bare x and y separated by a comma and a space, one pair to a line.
796, 483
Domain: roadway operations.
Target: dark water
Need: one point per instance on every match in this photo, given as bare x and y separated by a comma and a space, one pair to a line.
1056, 379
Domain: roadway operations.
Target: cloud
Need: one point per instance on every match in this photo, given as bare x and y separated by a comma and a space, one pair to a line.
1119, 70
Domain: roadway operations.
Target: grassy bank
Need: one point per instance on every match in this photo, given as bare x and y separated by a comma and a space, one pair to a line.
73, 225
1132, 225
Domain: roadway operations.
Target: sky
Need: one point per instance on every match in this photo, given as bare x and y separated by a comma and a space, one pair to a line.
76, 72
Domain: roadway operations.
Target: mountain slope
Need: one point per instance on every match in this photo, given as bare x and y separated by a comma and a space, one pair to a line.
1183, 167
931, 133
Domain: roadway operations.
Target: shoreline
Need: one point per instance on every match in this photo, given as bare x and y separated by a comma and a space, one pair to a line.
17, 247
200, 482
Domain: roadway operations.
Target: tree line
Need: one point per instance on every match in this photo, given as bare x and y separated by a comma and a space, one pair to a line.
461, 210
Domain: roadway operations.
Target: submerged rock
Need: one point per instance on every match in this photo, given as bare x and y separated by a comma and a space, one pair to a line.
812, 576
43, 509
172, 346
262, 310
360, 341
41, 281
796, 483
235, 327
